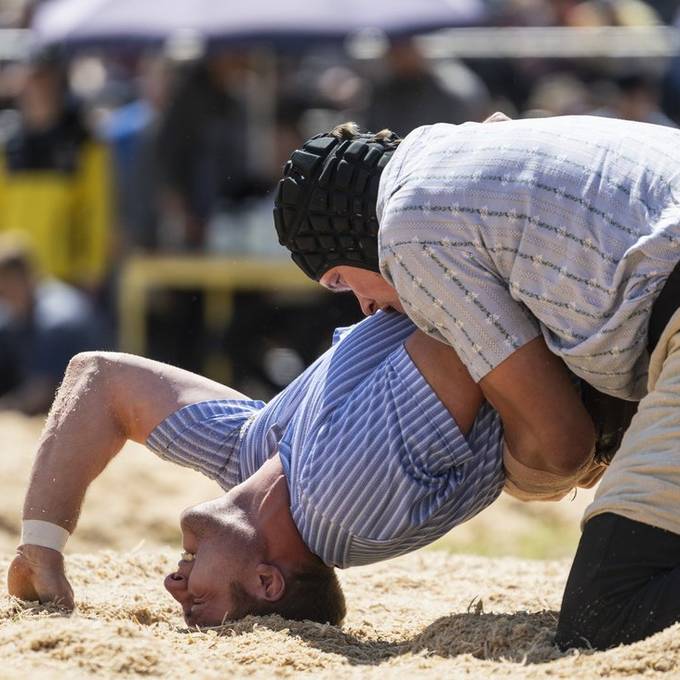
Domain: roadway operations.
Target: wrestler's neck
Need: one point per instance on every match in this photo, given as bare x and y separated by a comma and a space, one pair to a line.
268, 506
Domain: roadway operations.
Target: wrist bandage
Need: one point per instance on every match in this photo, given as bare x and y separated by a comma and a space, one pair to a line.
45, 534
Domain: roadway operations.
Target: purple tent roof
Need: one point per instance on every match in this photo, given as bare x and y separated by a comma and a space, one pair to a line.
83, 22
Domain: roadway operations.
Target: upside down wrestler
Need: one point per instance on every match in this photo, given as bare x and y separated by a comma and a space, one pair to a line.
381, 446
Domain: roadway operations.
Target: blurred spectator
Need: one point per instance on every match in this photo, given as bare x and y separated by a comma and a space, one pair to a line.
132, 132
560, 94
612, 13
671, 81
201, 155
287, 134
577, 12
202, 148
533, 12
413, 94
54, 178
666, 9
637, 97
42, 325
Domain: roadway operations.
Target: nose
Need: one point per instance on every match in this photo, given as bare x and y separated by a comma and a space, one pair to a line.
368, 306
176, 585
186, 517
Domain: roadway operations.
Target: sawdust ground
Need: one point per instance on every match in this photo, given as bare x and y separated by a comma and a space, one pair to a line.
430, 614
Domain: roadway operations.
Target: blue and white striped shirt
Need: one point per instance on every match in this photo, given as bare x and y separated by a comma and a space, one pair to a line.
495, 233
376, 466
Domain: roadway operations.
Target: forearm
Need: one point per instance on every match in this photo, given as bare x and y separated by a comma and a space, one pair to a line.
105, 399
81, 435
545, 423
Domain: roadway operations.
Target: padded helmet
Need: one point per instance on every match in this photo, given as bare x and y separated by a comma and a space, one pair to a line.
325, 204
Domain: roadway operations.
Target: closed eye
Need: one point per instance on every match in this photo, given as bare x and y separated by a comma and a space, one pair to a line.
338, 285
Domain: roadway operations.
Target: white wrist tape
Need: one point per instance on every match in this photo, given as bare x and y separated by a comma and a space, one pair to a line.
45, 534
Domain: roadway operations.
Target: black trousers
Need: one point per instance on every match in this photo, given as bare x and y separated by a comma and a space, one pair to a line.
624, 584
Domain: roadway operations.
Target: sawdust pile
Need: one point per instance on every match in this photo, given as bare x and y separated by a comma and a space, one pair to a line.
430, 614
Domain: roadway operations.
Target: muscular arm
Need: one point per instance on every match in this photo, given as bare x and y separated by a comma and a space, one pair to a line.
545, 423
447, 376
105, 399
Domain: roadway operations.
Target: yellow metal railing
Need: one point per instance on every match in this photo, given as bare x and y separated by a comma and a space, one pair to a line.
218, 277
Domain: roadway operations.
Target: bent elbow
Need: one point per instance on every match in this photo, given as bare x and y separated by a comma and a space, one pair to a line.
87, 373
572, 455
97, 362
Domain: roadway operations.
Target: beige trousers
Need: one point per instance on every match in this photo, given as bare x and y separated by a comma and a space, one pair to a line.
643, 480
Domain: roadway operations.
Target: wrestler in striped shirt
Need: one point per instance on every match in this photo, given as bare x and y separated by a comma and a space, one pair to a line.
375, 464
378, 448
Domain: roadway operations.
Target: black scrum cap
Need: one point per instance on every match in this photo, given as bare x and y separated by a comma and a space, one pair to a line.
325, 204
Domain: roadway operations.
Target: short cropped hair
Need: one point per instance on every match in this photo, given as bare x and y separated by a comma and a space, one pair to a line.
313, 595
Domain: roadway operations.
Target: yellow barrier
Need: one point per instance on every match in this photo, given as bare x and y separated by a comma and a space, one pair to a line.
218, 277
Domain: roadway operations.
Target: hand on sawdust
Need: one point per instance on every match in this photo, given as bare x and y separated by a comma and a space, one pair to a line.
37, 573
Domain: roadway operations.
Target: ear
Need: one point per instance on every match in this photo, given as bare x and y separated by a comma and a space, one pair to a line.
498, 117
271, 585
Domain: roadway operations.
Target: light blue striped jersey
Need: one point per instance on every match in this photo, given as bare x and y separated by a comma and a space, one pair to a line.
568, 226
375, 464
